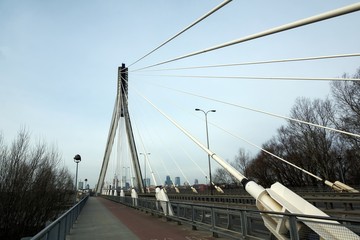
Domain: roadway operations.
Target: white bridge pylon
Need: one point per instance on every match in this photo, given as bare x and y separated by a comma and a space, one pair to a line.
121, 112
276, 199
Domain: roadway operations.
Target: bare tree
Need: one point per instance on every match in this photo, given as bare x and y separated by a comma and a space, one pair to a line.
241, 160
221, 176
347, 99
33, 188
327, 154
314, 144
306, 146
240, 163
259, 170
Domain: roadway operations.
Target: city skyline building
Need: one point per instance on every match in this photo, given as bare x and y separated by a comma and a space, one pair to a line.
177, 181
146, 182
168, 181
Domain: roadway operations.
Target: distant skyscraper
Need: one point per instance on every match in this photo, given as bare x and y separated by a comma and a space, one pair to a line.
168, 181
196, 181
147, 182
177, 181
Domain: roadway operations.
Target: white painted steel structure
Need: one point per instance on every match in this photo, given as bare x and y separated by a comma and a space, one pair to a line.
302, 22
121, 111
277, 198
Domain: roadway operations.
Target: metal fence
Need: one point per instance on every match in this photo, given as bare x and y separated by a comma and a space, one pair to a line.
239, 223
58, 229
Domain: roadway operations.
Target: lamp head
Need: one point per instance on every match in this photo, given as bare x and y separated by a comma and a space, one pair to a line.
77, 158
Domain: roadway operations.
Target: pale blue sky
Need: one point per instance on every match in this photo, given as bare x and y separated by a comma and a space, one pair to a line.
59, 59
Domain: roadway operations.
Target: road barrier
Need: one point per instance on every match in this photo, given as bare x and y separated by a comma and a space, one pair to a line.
58, 229
239, 223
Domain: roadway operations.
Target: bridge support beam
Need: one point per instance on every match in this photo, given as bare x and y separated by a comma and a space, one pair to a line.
121, 111
163, 199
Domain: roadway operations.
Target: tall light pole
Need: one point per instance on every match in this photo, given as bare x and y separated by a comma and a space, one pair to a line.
124, 178
145, 169
77, 159
339, 158
207, 141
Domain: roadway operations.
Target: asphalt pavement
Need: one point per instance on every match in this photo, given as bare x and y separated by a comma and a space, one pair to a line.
105, 219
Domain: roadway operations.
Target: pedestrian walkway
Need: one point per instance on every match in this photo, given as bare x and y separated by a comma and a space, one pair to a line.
97, 222
104, 219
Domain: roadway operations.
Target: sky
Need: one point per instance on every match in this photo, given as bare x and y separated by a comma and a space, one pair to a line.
58, 75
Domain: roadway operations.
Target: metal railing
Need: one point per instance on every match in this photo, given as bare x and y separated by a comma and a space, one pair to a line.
58, 229
237, 223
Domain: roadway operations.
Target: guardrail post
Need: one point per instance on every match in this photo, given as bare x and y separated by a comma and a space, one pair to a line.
243, 222
294, 234
53, 231
178, 213
66, 225
193, 225
230, 220
167, 211
60, 230
213, 223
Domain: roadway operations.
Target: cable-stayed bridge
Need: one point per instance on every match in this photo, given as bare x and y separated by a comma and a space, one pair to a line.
278, 198
283, 213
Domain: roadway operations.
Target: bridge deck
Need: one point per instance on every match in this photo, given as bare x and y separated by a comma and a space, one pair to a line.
104, 219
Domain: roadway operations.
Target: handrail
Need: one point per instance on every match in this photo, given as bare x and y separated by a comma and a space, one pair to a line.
233, 222
59, 228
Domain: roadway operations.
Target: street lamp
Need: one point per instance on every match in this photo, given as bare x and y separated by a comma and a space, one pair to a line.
145, 169
207, 141
77, 159
339, 158
124, 178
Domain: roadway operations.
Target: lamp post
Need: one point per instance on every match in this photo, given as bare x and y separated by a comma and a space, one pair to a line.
77, 159
207, 141
339, 158
124, 178
145, 169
